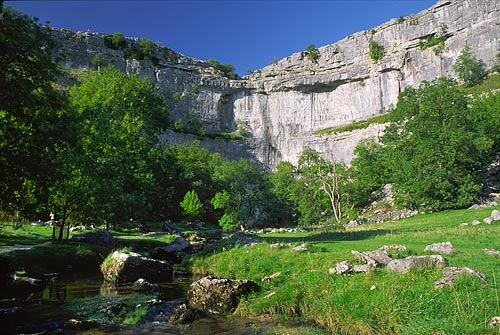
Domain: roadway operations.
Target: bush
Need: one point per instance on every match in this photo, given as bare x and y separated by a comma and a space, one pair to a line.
468, 68
311, 53
115, 41
376, 50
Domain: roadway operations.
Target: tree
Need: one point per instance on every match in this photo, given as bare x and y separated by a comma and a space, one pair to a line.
312, 53
120, 117
244, 195
468, 69
434, 150
191, 205
322, 188
33, 118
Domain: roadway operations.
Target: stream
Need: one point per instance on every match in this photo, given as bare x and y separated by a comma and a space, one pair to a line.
44, 313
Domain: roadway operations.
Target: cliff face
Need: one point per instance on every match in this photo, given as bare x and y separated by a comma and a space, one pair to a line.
274, 112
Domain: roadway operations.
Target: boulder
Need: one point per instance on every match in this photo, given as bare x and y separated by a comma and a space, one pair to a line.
362, 268
342, 268
416, 263
495, 215
491, 252
302, 247
182, 315
98, 237
444, 248
128, 267
168, 227
476, 222
111, 308
20, 285
487, 220
495, 321
451, 274
395, 247
175, 251
142, 285
218, 296
374, 258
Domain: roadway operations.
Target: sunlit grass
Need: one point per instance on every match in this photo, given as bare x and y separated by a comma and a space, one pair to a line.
380, 302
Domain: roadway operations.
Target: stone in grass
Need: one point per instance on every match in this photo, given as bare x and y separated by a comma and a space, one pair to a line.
491, 252
487, 220
342, 268
445, 248
142, 285
451, 274
476, 222
495, 321
495, 215
301, 247
374, 258
416, 263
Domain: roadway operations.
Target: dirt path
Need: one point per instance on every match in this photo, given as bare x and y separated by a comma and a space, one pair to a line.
10, 248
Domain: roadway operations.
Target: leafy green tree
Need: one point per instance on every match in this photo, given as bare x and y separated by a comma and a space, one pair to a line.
146, 48
284, 188
468, 68
33, 117
244, 195
323, 188
121, 116
191, 205
434, 151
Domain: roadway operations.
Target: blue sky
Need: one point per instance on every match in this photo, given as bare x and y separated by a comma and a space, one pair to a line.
245, 33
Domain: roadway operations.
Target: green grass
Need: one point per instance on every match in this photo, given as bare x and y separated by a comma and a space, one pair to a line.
399, 304
355, 125
489, 84
26, 234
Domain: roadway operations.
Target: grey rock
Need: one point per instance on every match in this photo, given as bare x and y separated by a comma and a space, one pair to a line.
395, 247
374, 258
495, 321
183, 314
217, 296
20, 285
487, 220
142, 285
301, 247
175, 251
128, 267
344, 268
444, 248
491, 252
111, 308
476, 222
363, 268
98, 237
416, 263
495, 215
451, 274
464, 224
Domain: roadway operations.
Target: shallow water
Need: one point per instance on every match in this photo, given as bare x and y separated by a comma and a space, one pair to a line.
44, 312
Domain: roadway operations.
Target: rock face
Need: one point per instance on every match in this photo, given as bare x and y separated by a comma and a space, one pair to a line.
218, 296
129, 267
275, 112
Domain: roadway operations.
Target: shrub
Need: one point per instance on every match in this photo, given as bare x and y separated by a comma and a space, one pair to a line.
376, 50
468, 68
311, 53
115, 41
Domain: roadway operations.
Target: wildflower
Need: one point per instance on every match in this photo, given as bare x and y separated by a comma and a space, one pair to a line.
324, 291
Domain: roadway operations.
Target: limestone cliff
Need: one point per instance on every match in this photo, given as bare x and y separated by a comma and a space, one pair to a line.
273, 113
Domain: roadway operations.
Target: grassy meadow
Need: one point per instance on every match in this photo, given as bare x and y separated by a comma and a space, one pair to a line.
380, 302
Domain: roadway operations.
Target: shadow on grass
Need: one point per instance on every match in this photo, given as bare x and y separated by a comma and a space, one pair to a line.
330, 237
